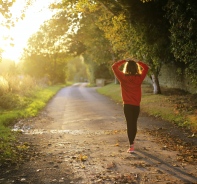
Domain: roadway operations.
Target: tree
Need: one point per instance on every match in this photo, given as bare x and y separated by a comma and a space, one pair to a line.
7, 18
182, 16
48, 46
144, 36
35, 65
137, 29
77, 70
90, 42
5, 12
140, 35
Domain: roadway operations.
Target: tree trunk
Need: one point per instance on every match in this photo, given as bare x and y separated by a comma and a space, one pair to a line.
156, 86
116, 80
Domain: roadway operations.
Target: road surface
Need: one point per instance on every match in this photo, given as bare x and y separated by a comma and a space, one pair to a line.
80, 137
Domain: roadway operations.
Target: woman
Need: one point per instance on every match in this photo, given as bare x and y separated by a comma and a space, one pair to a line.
130, 81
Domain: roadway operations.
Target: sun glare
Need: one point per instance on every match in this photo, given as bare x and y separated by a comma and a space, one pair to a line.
13, 40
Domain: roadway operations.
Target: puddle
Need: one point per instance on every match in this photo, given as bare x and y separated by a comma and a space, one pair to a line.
28, 130
24, 128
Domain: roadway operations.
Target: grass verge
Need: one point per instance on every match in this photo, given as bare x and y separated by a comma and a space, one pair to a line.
37, 99
173, 105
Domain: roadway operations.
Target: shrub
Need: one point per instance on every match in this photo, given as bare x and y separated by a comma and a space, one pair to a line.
12, 101
4, 87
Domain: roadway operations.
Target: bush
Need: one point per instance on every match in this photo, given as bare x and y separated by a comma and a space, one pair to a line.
8, 101
4, 87
15, 90
26, 83
12, 101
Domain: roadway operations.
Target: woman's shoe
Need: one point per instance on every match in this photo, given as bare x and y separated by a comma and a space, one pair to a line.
131, 149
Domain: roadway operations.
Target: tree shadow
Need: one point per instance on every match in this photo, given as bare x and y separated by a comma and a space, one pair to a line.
166, 167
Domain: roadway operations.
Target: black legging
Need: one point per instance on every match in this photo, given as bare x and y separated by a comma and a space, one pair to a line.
131, 113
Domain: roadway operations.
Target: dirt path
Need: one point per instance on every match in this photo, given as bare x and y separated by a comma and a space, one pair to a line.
80, 137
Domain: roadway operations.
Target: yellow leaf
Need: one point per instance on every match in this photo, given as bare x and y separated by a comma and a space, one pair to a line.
117, 144
83, 157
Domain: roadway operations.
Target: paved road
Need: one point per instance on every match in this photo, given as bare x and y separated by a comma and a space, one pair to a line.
80, 137
79, 107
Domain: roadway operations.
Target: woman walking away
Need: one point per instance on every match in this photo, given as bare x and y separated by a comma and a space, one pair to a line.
130, 81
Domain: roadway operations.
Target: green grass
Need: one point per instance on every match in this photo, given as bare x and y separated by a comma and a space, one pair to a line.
158, 106
112, 91
161, 106
37, 100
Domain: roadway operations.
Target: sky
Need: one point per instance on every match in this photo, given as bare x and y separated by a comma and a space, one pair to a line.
36, 14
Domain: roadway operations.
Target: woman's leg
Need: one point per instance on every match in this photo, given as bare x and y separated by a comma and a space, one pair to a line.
131, 114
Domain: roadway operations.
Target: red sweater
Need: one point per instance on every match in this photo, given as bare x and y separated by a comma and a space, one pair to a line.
130, 85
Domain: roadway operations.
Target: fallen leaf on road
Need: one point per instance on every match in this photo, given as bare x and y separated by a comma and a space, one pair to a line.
83, 157
111, 165
117, 144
